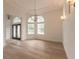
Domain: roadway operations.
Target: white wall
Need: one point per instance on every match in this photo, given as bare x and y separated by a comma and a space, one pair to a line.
4, 30
69, 35
53, 24
8, 34
53, 27
4, 26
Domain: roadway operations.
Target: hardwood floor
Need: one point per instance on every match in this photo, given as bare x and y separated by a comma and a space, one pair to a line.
34, 49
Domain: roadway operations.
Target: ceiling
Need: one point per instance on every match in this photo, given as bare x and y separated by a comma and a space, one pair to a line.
28, 6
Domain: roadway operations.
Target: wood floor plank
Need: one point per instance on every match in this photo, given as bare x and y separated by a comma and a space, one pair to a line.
34, 49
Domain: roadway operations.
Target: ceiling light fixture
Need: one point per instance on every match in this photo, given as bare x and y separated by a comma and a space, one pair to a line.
71, 3
35, 11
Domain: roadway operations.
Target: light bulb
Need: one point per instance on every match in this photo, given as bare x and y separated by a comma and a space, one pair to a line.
63, 17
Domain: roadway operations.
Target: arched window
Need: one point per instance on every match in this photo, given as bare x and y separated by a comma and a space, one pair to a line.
31, 25
36, 25
17, 20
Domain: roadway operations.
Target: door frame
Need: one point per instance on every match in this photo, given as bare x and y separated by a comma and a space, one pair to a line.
16, 31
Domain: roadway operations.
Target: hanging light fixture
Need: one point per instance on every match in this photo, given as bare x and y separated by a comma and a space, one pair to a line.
35, 11
71, 3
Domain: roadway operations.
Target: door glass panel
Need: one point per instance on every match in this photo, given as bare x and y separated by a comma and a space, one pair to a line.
18, 31
40, 29
30, 28
14, 31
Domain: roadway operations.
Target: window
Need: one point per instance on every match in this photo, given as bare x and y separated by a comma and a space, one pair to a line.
40, 25
40, 29
30, 28
31, 25
36, 26
17, 20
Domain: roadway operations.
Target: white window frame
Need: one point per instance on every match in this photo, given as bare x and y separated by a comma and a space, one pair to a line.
36, 26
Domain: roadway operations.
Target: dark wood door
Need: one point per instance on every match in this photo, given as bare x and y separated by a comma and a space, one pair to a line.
16, 31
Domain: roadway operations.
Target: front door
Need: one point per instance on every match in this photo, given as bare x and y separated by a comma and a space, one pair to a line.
16, 31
